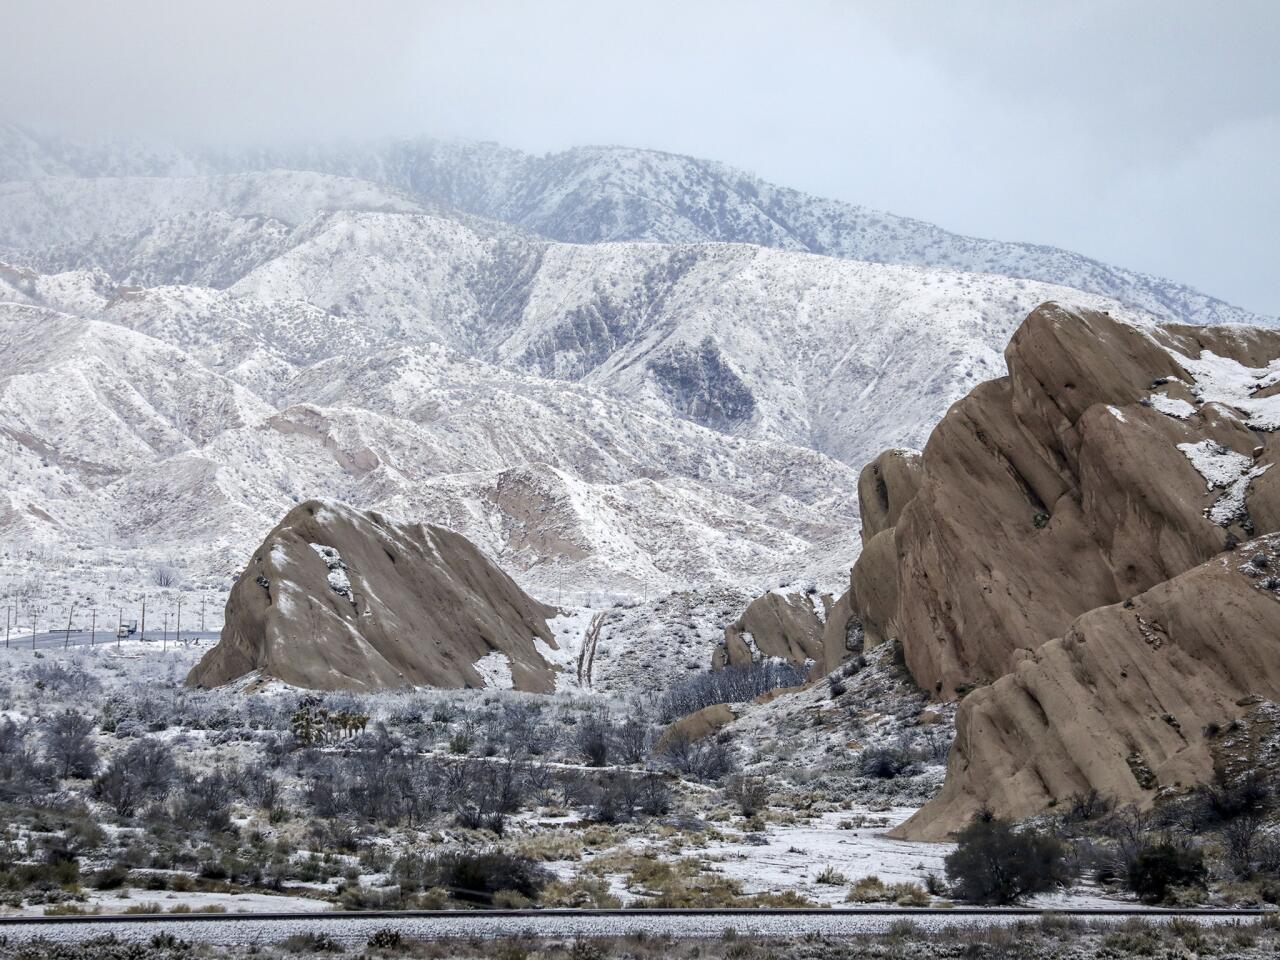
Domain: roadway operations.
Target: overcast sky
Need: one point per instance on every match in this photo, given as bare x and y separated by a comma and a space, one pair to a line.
1143, 133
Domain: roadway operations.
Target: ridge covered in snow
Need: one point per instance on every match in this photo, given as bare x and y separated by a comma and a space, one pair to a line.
622, 374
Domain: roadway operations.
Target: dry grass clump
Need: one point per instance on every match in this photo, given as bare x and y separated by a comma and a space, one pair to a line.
553, 845
581, 893
872, 889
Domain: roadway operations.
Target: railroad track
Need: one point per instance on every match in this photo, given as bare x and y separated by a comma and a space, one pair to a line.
356, 927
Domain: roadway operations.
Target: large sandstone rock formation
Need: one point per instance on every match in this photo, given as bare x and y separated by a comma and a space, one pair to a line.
1126, 702
1111, 459
787, 626
343, 599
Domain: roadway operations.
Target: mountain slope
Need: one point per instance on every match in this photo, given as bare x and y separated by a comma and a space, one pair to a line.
598, 194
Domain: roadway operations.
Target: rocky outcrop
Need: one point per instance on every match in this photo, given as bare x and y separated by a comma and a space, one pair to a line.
885, 486
788, 626
1114, 464
344, 599
1128, 702
1107, 461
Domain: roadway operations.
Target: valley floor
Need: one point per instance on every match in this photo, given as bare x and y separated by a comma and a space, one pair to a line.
818, 839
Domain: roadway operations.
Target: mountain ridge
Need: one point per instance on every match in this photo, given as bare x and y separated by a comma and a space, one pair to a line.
600, 193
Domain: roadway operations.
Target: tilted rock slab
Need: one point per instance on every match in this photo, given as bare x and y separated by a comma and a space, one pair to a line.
1125, 702
1063, 487
1114, 463
344, 599
786, 626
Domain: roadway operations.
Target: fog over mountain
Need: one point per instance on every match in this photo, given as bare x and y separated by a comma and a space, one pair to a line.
1141, 134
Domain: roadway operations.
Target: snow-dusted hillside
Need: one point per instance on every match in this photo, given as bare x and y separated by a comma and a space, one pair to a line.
596, 194
842, 356
191, 343
115, 439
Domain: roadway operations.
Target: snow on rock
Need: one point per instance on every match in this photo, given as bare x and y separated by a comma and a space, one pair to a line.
1218, 465
1174, 407
495, 668
1226, 381
339, 582
1223, 469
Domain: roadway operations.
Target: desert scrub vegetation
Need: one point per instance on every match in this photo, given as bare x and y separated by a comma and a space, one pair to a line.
1053, 937
995, 863
872, 889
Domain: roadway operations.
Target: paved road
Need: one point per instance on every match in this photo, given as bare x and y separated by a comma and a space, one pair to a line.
354, 929
57, 639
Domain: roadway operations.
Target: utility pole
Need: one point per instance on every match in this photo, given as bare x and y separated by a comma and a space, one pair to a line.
66, 639
142, 634
177, 631
119, 627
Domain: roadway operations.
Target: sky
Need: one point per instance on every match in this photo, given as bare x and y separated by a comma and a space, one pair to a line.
1146, 134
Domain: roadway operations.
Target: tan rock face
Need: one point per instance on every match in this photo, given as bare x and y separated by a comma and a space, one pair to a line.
1123, 702
787, 626
1053, 491
1113, 464
343, 599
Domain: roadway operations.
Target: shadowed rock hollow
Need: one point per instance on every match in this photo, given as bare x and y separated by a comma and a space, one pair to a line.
344, 599
1113, 460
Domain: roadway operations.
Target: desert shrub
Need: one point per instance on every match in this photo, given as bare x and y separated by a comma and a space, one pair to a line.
592, 738
633, 737
23, 773
1083, 807
62, 678
144, 771
654, 795
830, 876
872, 889
68, 747
749, 794
700, 759
471, 875
884, 763
311, 943
1224, 799
1156, 871
730, 685
203, 801
386, 939
994, 863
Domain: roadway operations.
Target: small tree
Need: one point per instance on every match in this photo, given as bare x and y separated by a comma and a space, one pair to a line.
748, 794
67, 745
593, 740
994, 863
1156, 871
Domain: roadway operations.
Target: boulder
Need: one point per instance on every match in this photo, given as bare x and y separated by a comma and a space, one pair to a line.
344, 599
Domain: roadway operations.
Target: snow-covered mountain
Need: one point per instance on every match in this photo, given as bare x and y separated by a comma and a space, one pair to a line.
842, 356
604, 194
675, 394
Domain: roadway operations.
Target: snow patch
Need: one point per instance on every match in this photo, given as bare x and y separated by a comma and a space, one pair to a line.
495, 669
1223, 469
1171, 406
339, 582
1226, 381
